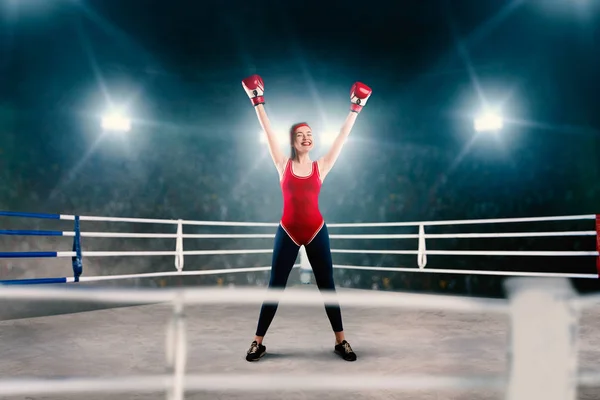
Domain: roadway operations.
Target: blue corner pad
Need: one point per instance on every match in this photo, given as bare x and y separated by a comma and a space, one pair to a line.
76, 260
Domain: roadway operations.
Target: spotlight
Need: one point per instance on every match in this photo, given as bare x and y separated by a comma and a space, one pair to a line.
488, 122
116, 122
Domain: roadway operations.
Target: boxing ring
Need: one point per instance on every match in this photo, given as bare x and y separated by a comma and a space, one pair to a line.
540, 342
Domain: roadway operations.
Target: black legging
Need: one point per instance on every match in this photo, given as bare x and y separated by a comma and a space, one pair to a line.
285, 252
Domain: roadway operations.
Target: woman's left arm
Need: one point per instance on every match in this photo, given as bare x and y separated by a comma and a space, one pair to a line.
359, 94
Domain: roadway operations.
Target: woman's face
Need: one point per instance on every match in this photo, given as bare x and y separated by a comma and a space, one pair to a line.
302, 140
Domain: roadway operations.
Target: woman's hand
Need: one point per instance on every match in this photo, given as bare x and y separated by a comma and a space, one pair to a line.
359, 94
255, 89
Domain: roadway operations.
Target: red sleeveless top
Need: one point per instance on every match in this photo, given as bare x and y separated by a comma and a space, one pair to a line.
301, 218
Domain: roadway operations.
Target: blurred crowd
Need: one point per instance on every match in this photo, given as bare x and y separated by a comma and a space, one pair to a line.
218, 180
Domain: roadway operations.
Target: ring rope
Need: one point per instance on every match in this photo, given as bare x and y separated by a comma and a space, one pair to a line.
271, 235
469, 272
269, 224
471, 252
175, 273
268, 268
463, 222
422, 253
176, 383
33, 254
249, 382
247, 295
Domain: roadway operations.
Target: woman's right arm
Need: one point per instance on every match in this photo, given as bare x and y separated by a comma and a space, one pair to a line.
276, 154
255, 88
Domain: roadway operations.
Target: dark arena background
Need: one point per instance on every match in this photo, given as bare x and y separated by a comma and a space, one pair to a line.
135, 109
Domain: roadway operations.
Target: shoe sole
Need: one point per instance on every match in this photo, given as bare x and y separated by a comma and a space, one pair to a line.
342, 356
257, 359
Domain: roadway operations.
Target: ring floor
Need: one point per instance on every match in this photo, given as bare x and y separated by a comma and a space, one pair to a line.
131, 341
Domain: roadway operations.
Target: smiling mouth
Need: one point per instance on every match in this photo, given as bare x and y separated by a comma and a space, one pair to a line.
306, 143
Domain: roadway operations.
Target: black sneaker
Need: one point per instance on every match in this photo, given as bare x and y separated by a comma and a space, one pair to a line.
345, 351
255, 352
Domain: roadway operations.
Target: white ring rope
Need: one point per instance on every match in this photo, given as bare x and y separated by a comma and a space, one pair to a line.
161, 253
167, 221
468, 272
173, 273
422, 252
349, 251
463, 222
250, 382
535, 293
246, 296
179, 253
122, 235
331, 236
471, 252
334, 225
337, 266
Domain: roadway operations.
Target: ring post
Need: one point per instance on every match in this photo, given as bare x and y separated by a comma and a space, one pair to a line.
179, 247
76, 260
543, 339
422, 257
176, 349
305, 268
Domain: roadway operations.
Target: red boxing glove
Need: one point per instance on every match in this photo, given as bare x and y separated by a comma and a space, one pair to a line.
359, 94
255, 89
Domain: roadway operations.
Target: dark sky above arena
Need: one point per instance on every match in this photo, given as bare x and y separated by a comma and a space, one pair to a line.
178, 65
539, 57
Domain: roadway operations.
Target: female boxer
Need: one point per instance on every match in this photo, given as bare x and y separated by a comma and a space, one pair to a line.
301, 223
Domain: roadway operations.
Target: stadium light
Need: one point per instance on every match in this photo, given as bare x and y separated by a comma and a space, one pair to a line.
488, 121
117, 122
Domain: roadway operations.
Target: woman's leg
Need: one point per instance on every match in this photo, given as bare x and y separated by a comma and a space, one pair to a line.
319, 256
285, 252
